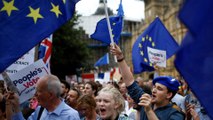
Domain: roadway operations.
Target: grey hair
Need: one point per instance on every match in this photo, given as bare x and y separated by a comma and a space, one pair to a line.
54, 85
117, 96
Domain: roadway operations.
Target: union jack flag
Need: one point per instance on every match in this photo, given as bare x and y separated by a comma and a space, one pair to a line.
45, 50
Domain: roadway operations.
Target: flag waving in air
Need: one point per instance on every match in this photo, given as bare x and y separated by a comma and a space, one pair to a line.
194, 59
45, 50
116, 22
26, 23
103, 60
154, 46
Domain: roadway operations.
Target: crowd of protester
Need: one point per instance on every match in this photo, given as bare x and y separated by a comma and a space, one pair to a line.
157, 98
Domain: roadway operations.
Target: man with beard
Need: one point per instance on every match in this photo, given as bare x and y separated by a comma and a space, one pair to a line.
155, 107
72, 97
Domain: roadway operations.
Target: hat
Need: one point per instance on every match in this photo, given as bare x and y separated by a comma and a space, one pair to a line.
170, 82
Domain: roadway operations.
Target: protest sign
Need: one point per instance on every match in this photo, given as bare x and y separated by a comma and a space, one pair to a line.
26, 79
157, 57
21, 63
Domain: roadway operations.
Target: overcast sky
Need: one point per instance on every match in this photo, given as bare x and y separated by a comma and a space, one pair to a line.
133, 9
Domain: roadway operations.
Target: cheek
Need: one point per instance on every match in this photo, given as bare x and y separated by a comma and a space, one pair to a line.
90, 90
162, 94
88, 111
98, 104
71, 98
43, 96
110, 107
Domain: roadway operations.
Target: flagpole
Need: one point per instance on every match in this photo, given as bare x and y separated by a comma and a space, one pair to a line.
109, 27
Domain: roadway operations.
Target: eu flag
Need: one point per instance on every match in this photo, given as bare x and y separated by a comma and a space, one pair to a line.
194, 59
116, 22
103, 60
155, 37
25, 23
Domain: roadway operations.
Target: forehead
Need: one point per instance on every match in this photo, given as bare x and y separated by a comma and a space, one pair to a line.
88, 85
105, 95
160, 85
72, 92
122, 85
84, 106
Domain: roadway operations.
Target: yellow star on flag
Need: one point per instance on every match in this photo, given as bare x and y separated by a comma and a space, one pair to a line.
153, 44
140, 45
150, 39
56, 10
147, 37
143, 39
145, 60
34, 13
8, 7
142, 53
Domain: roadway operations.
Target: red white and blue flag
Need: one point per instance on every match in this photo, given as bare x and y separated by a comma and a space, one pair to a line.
45, 50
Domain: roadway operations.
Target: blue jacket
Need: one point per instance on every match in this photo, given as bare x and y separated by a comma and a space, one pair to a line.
163, 113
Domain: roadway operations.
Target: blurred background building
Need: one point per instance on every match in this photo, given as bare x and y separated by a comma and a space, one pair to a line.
167, 10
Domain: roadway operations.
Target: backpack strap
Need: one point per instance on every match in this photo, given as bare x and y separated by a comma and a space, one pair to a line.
40, 113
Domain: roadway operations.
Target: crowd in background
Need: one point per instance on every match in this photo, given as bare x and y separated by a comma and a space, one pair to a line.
163, 97
95, 101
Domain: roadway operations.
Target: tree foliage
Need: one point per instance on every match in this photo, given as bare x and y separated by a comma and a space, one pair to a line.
70, 50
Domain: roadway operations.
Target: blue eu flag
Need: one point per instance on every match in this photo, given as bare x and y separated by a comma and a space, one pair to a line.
103, 60
194, 59
155, 36
102, 33
25, 23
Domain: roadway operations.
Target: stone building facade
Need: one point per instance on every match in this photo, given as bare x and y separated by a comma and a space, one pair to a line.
98, 49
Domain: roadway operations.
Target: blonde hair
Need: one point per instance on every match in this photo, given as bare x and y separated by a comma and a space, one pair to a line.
117, 96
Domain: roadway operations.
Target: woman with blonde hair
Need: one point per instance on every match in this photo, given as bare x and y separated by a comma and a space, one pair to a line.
111, 104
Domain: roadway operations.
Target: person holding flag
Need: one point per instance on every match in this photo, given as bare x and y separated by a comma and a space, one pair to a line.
154, 107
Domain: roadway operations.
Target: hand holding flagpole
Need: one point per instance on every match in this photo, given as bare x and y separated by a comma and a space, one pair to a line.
109, 27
